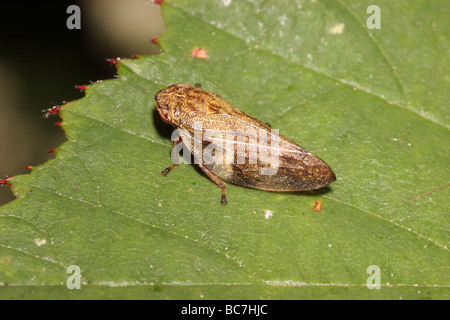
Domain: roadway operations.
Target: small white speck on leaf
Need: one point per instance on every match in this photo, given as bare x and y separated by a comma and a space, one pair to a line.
268, 214
226, 3
337, 29
40, 242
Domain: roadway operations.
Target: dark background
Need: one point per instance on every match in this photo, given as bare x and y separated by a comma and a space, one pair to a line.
41, 62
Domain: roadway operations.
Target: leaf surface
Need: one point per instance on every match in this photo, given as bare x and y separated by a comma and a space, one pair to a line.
372, 103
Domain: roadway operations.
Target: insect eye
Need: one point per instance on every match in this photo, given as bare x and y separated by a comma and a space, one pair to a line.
165, 116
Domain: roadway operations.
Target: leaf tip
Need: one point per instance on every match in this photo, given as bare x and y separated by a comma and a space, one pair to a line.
5, 182
114, 61
52, 111
81, 87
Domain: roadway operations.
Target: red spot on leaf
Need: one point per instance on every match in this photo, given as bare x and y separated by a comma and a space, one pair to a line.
28, 167
318, 206
199, 53
51, 150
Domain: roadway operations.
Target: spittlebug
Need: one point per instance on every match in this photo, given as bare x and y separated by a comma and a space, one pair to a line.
228, 144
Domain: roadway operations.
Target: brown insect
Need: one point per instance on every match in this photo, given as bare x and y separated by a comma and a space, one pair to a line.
228, 144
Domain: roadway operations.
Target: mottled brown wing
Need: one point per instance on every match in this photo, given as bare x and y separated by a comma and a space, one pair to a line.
252, 155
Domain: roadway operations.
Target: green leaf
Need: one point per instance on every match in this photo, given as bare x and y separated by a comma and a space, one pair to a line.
372, 103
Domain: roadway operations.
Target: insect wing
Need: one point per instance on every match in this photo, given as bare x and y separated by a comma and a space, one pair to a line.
249, 154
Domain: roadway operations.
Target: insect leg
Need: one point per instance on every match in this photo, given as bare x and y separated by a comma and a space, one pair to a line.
216, 179
168, 169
